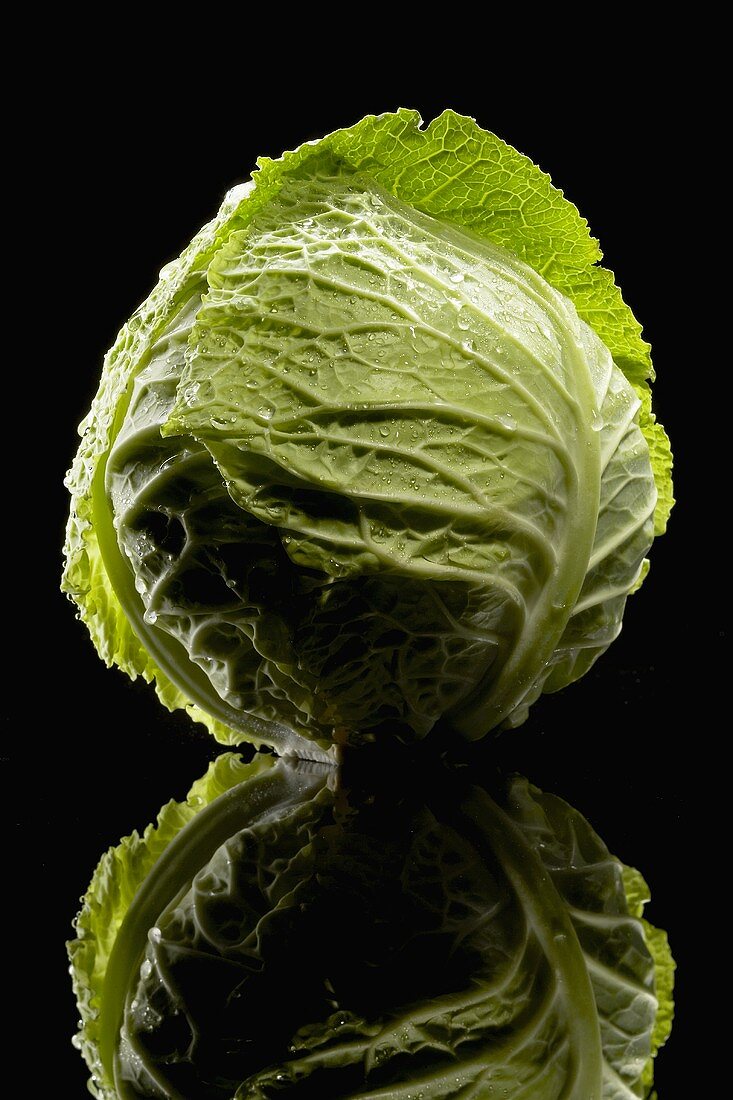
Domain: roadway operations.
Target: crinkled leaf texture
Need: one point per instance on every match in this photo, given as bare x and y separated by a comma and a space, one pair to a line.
355, 466
290, 937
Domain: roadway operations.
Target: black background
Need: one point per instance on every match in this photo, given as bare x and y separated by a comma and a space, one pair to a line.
128, 178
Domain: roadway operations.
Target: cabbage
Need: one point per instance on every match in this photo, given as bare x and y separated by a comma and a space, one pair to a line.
376, 454
283, 932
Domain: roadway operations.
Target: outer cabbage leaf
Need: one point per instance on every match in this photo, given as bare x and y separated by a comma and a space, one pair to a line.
482, 944
90, 546
96, 574
303, 631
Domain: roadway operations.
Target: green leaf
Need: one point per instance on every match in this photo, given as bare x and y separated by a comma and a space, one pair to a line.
90, 544
97, 576
660, 454
456, 171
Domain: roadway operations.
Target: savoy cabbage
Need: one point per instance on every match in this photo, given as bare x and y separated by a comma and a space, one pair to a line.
377, 452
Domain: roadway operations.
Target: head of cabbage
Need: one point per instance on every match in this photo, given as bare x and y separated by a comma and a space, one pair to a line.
376, 454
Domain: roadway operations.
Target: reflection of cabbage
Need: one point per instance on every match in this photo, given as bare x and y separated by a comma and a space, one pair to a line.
293, 939
366, 468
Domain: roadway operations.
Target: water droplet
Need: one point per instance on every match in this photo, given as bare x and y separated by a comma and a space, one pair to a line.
266, 412
596, 420
507, 422
384, 431
457, 278
151, 617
